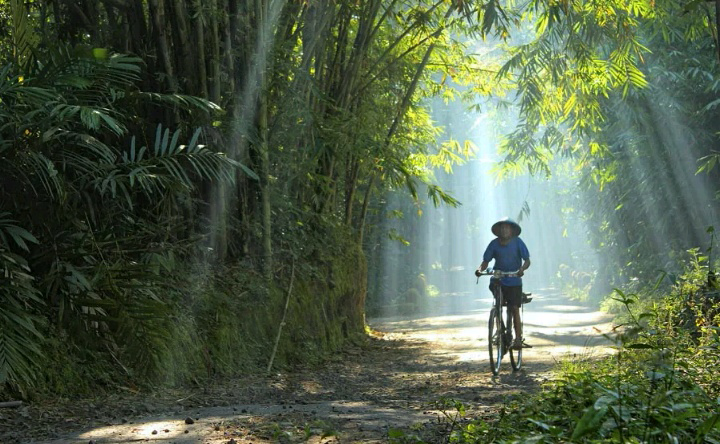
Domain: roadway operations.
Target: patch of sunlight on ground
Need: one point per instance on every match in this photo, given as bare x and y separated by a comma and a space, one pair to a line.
555, 326
147, 431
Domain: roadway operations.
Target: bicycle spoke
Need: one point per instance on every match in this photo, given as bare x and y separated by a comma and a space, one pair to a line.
516, 355
495, 341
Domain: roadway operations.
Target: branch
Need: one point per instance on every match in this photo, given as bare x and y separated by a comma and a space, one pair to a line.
10, 404
409, 93
282, 322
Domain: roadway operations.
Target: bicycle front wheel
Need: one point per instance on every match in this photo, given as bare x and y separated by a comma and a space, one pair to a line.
516, 355
495, 340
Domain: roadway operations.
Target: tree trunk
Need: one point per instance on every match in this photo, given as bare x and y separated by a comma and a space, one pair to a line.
185, 60
265, 188
215, 53
200, 36
157, 14
363, 212
228, 34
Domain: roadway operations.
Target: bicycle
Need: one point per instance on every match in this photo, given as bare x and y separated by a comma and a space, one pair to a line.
500, 335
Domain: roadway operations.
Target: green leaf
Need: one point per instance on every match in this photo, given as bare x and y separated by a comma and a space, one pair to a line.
589, 422
640, 346
248, 171
540, 424
708, 424
654, 375
605, 401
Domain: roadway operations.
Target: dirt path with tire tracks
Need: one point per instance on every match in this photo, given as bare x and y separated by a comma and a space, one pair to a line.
391, 381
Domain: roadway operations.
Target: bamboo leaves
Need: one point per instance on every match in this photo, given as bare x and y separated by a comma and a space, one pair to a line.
19, 337
24, 38
580, 55
166, 167
10, 231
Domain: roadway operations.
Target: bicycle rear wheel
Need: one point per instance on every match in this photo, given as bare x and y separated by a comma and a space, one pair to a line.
495, 340
516, 355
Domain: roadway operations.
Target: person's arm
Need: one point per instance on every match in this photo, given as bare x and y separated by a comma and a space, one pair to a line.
525, 266
487, 257
482, 267
525, 255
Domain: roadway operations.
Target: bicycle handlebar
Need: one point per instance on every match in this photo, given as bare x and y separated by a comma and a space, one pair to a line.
498, 273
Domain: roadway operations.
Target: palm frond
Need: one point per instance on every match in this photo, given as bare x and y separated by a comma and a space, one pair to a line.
9, 230
20, 339
36, 167
168, 165
179, 100
24, 39
92, 117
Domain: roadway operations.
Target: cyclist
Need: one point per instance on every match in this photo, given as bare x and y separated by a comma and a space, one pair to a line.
510, 254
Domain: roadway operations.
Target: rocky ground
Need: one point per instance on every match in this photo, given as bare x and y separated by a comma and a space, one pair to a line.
394, 382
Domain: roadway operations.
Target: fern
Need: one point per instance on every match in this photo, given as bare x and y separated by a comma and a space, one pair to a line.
20, 341
77, 171
168, 168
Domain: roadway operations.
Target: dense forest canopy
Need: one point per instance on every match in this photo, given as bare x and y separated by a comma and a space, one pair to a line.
150, 149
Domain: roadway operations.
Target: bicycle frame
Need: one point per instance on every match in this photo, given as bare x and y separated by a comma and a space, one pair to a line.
507, 321
500, 331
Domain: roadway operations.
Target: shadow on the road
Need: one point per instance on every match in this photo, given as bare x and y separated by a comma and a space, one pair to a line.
553, 325
394, 379
359, 394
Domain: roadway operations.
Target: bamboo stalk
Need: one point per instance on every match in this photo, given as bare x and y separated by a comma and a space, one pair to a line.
185, 59
266, 205
10, 404
717, 27
282, 322
351, 181
157, 12
200, 36
363, 212
228, 36
214, 53
408, 95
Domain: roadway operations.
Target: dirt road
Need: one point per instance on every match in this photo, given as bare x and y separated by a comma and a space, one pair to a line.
392, 381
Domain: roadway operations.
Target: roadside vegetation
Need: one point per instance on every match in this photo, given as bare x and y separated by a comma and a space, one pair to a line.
660, 385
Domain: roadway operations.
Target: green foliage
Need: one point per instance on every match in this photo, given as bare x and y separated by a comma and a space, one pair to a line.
659, 386
628, 93
82, 209
201, 322
20, 352
122, 189
578, 57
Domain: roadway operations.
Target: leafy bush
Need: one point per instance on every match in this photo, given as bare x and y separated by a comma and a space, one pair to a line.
91, 215
661, 385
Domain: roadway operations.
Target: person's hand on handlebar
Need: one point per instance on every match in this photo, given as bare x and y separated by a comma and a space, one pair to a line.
477, 272
520, 272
